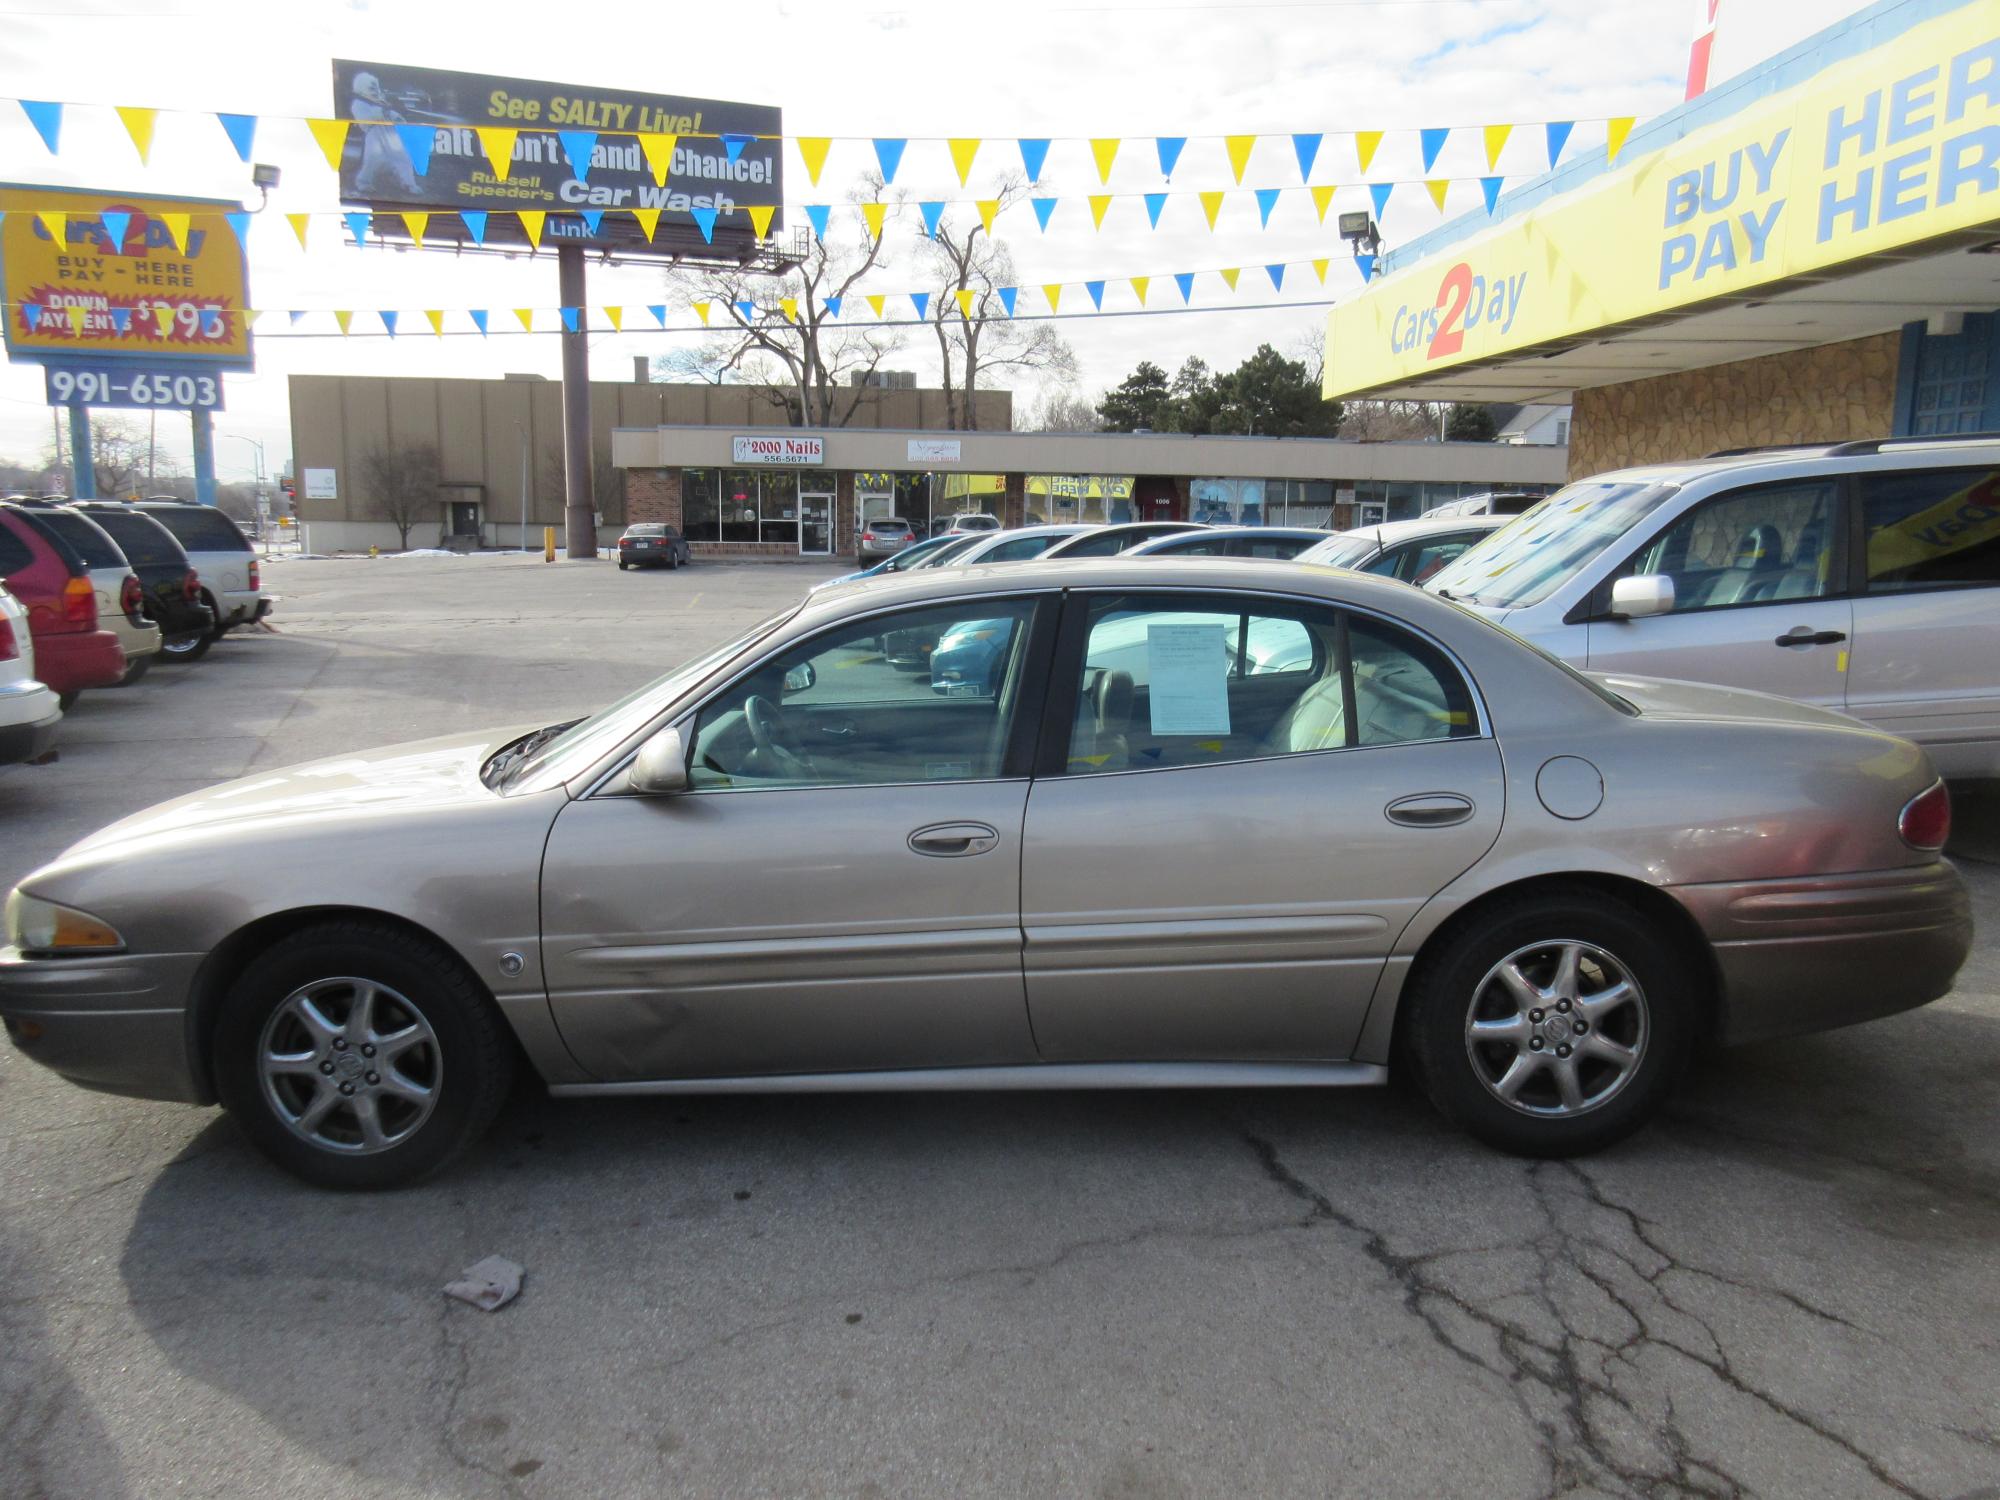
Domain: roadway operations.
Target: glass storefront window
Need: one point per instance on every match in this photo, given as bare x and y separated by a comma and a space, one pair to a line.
1060, 499
739, 505
698, 505
778, 510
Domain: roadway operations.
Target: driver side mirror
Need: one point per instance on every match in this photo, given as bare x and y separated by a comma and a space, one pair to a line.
660, 769
800, 677
1647, 594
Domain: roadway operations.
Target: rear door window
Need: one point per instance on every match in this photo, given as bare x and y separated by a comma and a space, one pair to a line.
1931, 529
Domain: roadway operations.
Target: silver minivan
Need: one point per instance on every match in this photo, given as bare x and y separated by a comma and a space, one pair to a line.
1860, 576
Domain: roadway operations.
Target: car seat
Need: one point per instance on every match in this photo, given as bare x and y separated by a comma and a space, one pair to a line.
1103, 738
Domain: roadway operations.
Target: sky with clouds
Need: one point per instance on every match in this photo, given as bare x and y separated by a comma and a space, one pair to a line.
855, 69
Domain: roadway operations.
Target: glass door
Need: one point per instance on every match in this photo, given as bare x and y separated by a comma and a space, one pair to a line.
816, 524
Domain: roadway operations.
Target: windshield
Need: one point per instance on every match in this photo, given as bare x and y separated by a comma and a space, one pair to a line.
581, 742
1531, 557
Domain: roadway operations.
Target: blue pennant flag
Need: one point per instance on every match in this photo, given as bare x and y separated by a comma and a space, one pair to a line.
1277, 275
121, 319
1490, 186
1043, 208
1096, 290
1033, 154
1170, 147
33, 314
240, 222
115, 225
242, 132
1558, 137
297, 314
1380, 191
577, 146
479, 320
734, 144
1007, 296
475, 223
211, 322
1433, 142
922, 302
593, 220
47, 120
817, 213
889, 154
418, 140
746, 310
832, 306
570, 319
388, 321
1306, 147
1185, 281
1154, 203
659, 312
932, 212
357, 225
704, 219
1367, 265
1267, 199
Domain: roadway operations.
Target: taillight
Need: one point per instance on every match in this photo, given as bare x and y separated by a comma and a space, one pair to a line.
255, 581
191, 587
9, 647
79, 604
131, 598
1925, 822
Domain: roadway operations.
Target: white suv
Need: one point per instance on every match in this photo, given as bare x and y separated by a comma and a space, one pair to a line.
222, 558
1862, 576
29, 711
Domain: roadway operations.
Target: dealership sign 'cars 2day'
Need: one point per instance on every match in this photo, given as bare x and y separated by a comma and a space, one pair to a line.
777, 449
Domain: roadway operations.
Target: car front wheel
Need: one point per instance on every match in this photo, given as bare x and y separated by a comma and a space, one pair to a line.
1553, 1026
360, 1056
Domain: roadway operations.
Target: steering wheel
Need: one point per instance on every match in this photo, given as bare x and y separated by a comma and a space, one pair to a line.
774, 738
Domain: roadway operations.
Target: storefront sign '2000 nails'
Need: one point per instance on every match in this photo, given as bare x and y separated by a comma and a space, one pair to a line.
778, 449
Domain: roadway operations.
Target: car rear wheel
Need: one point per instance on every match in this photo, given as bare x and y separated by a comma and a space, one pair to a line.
358, 1056
186, 648
1553, 1026
135, 668
622, 565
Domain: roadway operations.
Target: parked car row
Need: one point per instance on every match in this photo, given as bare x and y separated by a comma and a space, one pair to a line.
99, 591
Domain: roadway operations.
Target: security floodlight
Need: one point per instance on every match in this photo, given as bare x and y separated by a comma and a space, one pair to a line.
1359, 230
264, 176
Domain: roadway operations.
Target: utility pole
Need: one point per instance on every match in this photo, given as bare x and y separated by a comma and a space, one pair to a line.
580, 528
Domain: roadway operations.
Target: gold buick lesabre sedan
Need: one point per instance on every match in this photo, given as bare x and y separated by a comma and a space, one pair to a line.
1103, 824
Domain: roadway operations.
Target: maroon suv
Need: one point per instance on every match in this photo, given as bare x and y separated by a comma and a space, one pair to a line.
44, 572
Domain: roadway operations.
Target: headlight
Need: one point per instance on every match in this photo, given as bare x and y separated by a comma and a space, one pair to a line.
38, 926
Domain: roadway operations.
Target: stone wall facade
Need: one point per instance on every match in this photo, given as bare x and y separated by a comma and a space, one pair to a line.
1825, 395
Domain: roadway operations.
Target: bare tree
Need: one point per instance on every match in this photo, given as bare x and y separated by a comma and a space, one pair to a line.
401, 486
123, 459
607, 482
1391, 421
805, 356
976, 335
1063, 409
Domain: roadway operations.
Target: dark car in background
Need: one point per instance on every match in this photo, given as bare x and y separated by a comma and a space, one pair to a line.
43, 571
170, 587
652, 544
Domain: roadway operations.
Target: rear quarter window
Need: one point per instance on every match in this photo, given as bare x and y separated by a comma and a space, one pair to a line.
199, 529
88, 540
145, 543
1931, 528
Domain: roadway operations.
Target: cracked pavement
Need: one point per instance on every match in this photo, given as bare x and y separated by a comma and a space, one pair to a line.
1790, 1287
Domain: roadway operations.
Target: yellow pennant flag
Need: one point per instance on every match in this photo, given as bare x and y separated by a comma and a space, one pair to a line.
963, 149
1230, 276
299, 223
615, 316
497, 141
436, 315
964, 295
76, 317
531, 224
1365, 144
649, 220
1211, 204
659, 151
1615, 132
177, 227
139, 125
760, 218
878, 302
417, 223
812, 151
343, 319
1239, 153
332, 137
789, 306
1322, 197
1139, 285
251, 315
1104, 150
701, 311
1438, 187
873, 212
1496, 142
1319, 270
1053, 291
57, 226
988, 207
1099, 202
527, 317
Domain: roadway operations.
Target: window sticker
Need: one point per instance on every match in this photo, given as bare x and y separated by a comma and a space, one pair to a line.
1187, 668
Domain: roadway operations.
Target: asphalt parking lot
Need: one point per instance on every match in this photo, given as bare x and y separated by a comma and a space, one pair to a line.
1787, 1288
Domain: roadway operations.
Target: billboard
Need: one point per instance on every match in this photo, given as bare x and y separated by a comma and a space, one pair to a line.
89, 277
379, 168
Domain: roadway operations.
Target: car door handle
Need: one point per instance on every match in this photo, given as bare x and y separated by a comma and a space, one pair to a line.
1429, 810
946, 840
1800, 636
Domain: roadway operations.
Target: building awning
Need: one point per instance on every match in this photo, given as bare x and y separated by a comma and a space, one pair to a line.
1849, 186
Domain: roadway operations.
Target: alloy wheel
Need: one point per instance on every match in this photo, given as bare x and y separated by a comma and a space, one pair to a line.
1557, 1029
350, 1065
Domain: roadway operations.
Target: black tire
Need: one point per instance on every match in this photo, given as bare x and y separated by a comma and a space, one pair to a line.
66, 701
135, 668
622, 565
186, 648
672, 562
468, 1064
1458, 982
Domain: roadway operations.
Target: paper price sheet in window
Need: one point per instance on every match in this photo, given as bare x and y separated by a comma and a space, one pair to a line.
1187, 669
